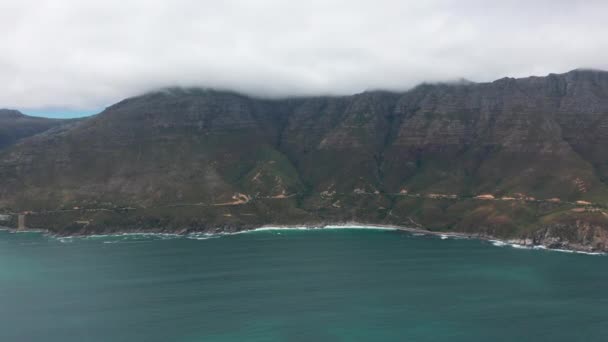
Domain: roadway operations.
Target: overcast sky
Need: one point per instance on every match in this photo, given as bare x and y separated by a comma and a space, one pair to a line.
78, 56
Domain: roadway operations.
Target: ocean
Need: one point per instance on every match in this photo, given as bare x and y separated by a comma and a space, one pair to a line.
296, 285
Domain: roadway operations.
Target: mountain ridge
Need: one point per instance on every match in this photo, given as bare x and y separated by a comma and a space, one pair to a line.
15, 126
200, 159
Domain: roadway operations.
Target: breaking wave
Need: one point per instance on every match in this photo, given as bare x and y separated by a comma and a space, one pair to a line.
134, 237
141, 237
118, 237
499, 243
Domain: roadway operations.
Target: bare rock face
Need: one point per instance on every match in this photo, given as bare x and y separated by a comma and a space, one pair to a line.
577, 235
536, 145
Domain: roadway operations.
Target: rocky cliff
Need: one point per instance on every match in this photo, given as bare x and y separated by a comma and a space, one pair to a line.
515, 158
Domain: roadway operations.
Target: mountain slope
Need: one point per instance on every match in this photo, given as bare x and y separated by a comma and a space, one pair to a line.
15, 126
202, 159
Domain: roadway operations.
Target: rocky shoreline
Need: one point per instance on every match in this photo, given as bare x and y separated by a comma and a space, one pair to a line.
552, 243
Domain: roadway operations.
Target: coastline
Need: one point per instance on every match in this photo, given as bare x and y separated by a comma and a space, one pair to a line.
522, 243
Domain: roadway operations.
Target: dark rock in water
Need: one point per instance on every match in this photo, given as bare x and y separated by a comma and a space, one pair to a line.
508, 159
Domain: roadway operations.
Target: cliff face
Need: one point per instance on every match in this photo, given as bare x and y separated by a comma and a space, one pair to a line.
198, 159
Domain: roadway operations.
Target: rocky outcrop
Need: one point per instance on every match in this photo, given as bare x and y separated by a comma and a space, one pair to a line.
578, 235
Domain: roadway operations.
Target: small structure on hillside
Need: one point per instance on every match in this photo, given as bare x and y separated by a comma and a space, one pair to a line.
21, 222
583, 203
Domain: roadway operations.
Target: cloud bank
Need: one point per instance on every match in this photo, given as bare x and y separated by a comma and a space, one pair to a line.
80, 55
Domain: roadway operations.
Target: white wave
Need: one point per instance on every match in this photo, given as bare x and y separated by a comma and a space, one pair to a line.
453, 237
518, 246
202, 236
572, 251
270, 229
590, 253
206, 236
274, 228
354, 226
499, 243
303, 228
117, 237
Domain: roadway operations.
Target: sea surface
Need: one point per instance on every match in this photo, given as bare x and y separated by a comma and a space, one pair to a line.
296, 285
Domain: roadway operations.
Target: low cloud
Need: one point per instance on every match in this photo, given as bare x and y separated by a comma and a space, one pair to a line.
80, 55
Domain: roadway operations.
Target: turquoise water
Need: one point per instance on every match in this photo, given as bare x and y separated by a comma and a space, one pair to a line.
330, 285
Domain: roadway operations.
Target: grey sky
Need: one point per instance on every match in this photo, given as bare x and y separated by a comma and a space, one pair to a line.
83, 55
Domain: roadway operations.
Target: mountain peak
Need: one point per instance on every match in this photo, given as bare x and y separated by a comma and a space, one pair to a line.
10, 113
588, 71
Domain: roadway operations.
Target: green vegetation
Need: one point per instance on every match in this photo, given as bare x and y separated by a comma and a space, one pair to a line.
193, 159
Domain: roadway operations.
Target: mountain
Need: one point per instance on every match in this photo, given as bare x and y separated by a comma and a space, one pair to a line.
520, 159
15, 126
